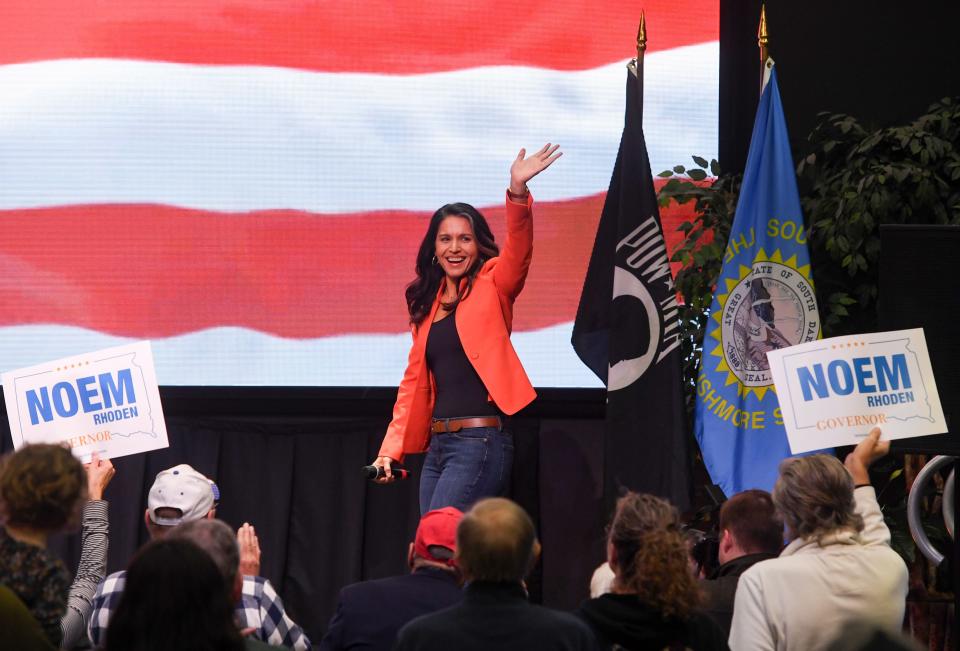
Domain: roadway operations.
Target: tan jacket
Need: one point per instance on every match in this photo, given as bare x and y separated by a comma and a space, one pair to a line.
804, 599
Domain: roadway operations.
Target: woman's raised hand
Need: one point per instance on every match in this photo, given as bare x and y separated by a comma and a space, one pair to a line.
525, 168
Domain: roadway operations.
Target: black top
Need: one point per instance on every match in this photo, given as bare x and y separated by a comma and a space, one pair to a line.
623, 620
460, 391
370, 613
496, 616
721, 588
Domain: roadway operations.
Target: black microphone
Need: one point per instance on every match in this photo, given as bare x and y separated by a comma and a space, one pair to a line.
376, 472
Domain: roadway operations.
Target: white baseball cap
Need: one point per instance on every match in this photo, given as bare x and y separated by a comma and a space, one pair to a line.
184, 489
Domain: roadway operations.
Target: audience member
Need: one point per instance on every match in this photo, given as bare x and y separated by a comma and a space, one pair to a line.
19, 629
94, 537
838, 568
370, 613
654, 598
42, 488
750, 532
180, 495
175, 578
701, 555
601, 582
702, 552
496, 548
864, 636
219, 542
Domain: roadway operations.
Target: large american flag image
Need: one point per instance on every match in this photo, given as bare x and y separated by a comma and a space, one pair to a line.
246, 183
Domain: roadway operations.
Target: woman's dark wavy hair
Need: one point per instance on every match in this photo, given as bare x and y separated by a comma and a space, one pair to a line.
174, 598
423, 290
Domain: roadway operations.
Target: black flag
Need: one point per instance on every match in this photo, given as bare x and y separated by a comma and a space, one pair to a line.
627, 330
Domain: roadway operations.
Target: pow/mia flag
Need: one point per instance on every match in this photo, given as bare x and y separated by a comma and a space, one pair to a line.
627, 331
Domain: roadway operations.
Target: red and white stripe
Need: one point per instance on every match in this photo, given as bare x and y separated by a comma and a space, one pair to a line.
247, 184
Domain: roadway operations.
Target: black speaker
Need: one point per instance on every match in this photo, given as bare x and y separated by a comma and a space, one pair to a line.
920, 288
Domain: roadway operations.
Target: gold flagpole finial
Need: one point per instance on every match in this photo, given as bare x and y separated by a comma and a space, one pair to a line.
762, 38
642, 35
763, 42
636, 65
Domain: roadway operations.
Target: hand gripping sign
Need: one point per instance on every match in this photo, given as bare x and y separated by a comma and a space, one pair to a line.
834, 391
105, 401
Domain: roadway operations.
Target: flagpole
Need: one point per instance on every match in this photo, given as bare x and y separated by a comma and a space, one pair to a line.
763, 41
636, 65
641, 39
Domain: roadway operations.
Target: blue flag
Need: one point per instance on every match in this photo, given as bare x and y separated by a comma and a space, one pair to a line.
764, 300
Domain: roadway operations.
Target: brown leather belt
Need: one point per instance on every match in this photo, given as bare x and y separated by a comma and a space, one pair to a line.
441, 425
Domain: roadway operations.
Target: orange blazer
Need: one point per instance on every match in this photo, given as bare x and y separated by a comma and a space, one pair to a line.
484, 320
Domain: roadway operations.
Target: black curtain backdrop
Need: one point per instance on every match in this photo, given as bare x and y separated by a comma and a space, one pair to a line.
322, 526
882, 62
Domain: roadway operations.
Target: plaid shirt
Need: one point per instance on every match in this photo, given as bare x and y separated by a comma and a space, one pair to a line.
259, 608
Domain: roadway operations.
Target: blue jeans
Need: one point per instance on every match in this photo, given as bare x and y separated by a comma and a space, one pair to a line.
463, 467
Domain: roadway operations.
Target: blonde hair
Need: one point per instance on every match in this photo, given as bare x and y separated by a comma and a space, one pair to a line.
814, 496
652, 555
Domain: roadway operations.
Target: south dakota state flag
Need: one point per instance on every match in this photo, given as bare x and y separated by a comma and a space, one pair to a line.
764, 300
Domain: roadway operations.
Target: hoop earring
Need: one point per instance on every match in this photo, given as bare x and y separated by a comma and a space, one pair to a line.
435, 260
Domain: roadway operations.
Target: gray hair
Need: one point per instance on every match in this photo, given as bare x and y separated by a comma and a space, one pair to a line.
814, 496
217, 539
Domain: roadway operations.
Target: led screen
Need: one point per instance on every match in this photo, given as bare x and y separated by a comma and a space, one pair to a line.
246, 183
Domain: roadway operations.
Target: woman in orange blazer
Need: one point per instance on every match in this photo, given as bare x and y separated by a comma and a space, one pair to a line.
463, 374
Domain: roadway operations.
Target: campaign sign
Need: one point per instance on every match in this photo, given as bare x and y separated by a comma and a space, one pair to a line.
834, 391
105, 402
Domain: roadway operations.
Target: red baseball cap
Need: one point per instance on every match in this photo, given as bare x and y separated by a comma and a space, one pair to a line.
437, 529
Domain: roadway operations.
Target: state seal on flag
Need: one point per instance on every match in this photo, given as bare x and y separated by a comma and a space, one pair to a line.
771, 305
